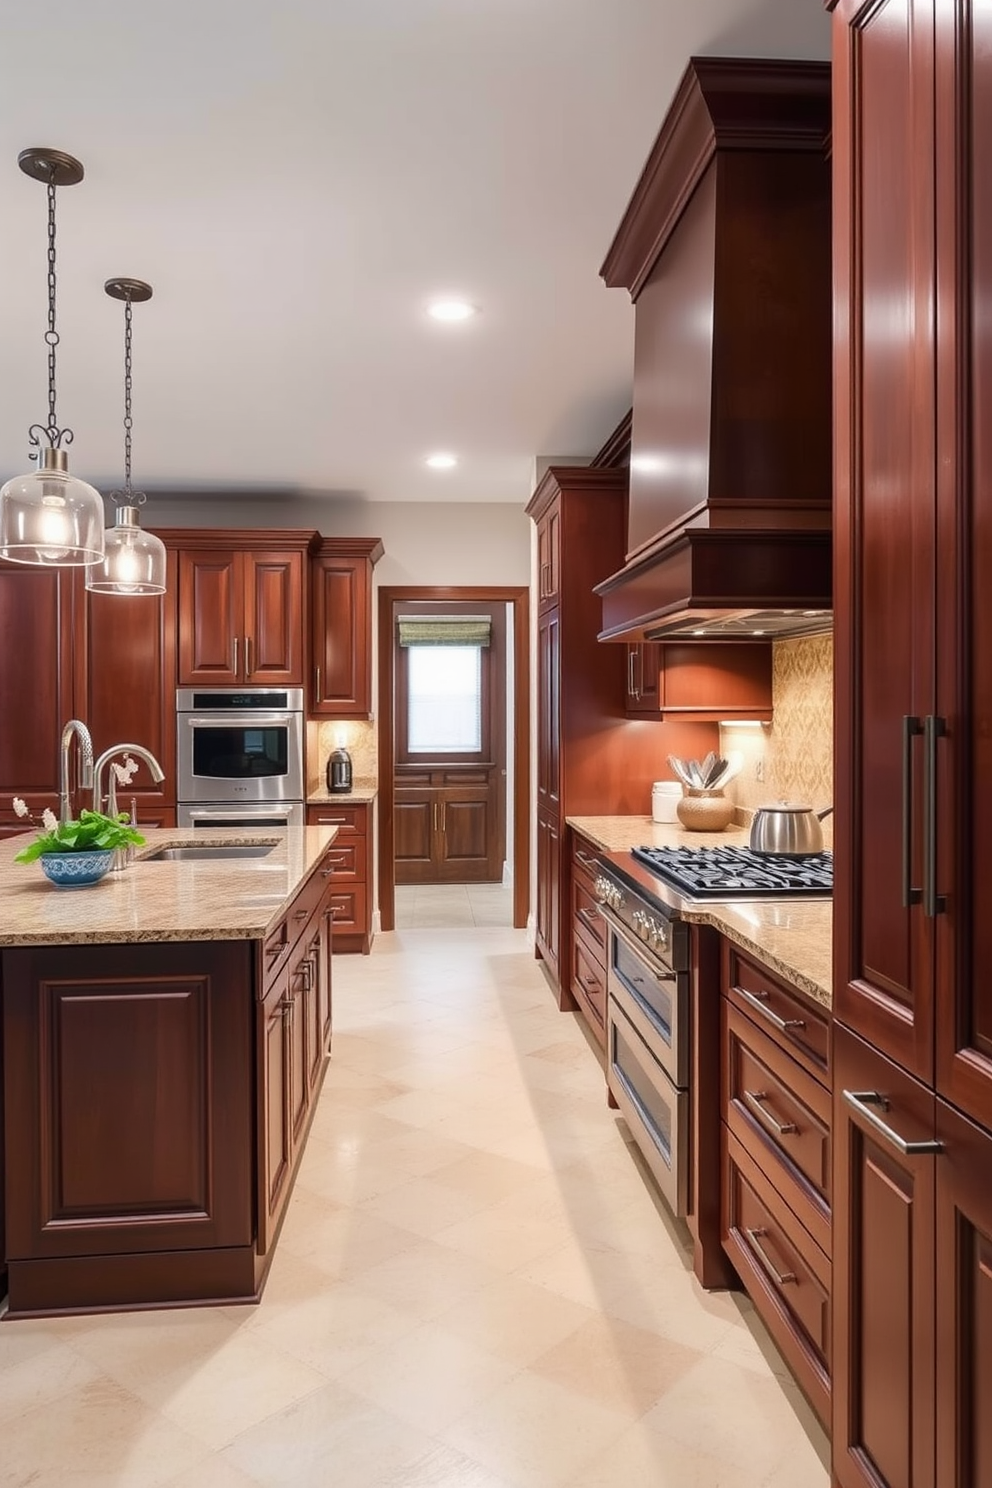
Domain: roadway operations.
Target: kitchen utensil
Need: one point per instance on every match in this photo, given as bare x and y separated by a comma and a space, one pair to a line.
681, 770
731, 768
787, 830
707, 769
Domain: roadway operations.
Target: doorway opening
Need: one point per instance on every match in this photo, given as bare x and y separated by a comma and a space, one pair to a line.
453, 741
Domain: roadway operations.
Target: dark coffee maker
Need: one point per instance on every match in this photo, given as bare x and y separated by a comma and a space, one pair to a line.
339, 771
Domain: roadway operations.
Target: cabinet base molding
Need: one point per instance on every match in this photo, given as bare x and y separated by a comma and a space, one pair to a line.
114, 1283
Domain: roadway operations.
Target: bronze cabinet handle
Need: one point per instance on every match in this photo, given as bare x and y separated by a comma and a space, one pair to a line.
862, 1102
754, 1099
911, 727
234, 664
780, 1278
247, 657
933, 903
755, 1000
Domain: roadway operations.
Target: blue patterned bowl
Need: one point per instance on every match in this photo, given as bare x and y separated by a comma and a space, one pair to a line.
75, 870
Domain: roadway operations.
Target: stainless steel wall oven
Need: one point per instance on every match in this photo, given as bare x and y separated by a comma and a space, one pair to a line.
239, 754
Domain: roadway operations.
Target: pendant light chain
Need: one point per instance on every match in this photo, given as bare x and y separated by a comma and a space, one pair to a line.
128, 421
52, 336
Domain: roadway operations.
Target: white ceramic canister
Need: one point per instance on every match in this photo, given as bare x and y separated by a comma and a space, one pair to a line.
665, 796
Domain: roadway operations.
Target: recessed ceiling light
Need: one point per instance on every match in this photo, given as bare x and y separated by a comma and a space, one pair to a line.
442, 461
451, 310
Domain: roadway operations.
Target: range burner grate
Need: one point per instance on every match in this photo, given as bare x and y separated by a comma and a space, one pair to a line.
719, 872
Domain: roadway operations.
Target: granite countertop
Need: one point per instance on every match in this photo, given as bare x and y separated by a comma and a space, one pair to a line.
363, 790
211, 899
792, 936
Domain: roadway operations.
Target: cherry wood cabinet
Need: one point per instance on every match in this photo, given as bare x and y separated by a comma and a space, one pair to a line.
341, 627
548, 558
242, 598
350, 874
700, 681
446, 825
588, 932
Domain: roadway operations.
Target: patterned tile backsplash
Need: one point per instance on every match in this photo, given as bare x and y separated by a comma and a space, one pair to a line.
795, 752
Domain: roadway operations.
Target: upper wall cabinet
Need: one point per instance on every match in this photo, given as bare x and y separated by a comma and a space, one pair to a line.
242, 616
700, 681
341, 627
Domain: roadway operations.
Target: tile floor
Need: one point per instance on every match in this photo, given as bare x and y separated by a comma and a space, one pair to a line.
453, 906
474, 1287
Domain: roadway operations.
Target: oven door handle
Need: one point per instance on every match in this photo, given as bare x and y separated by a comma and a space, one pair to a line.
659, 969
251, 719
266, 809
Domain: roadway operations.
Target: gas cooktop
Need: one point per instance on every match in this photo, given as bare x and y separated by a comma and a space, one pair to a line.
737, 873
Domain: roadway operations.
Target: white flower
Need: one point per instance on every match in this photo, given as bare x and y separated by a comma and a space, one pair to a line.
20, 807
50, 820
121, 772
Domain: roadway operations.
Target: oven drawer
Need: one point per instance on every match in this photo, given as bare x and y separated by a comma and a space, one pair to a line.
787, 1275
654, 1109
586, 915
770, 1002
589, 985
782, 1115
654, 998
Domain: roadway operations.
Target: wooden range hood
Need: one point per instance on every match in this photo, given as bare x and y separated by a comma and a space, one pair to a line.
725, 250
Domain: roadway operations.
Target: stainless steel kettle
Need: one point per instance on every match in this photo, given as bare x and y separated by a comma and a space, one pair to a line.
787, 831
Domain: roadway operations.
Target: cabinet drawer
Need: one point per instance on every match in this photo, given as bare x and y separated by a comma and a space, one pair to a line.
789, 1016
786, 1274
782, 1115
280, 940
347, 819
587, 918
347, 859
584, 864
589, 985
348, 910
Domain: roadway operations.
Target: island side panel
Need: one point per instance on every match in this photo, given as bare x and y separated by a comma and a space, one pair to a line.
129, 1085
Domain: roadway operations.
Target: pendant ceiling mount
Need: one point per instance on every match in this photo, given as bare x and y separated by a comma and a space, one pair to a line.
135, 290
54, 166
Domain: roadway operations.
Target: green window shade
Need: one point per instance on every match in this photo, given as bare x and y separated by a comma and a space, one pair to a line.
439, 630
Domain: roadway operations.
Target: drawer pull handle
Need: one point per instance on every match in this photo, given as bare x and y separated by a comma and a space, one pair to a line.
862, 1102
286, 1006
756, 1000
754, 1099
780, 1278
585, 859
331, 821
276, 951
589, 984
591, 917
326, 872
300, 914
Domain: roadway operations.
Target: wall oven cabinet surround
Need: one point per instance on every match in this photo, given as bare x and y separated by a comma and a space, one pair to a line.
241, 748
242, 608
913, 647
105, 658
590, 759
729, 229
341, 626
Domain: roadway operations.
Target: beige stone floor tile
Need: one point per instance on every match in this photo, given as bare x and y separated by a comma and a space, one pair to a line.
536, 1431
444, 1467
514, 1319
341, 1241
331, 1437
333, 1332
505, 1244
616, 1364
429, 1377
137, 1348
418, 1152
425, 1279
26, 1339
42, 1378
645, 1459
212, 1472
424, 1205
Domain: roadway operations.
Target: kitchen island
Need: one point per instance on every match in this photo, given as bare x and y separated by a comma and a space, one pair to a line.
165, 1036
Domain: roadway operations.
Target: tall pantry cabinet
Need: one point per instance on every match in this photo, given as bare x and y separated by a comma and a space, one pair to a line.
913, 841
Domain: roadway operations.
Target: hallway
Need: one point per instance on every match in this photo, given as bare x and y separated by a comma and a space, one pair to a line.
473, 1288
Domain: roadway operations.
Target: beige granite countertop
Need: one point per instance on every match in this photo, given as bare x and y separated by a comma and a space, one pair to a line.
363, 790
205, 900
791, 937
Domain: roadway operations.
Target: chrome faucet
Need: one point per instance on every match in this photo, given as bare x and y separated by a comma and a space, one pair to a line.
155, 769
74, 726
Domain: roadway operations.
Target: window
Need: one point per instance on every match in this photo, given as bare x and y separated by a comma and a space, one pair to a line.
444, 700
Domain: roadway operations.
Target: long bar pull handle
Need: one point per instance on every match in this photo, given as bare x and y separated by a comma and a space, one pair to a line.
862, 1102
780, 1278
234, 664
933, 903
316, 685
434, 816
782, 1024
911, 727
755, 1099
630, 672
247, 657
444, 812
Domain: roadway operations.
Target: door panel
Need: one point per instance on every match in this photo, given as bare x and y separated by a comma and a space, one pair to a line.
35, 679
468, 841
413, 835
339, 605
273, 618
549, 710
211, 612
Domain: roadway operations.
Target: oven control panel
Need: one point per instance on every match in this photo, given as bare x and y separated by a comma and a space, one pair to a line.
607, 892
653, 932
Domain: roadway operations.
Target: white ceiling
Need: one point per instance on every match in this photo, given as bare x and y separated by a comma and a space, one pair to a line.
297, 180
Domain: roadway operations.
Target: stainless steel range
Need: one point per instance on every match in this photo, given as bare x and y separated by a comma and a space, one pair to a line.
641, 897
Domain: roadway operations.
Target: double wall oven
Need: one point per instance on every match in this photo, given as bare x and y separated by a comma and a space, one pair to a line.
642, 895
240, 757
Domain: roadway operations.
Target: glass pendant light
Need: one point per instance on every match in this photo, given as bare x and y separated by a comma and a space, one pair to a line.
134, 561
48, 516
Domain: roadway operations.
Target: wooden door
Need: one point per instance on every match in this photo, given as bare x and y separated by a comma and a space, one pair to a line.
549, 711
125, 682
340, 640
415, 811
468, 846
548, 928
549, 557
211, 618
643, 693
964, 1303
884, 532
883, 1276
964, 669
313, 998
299, 1085
35, 682
324, 983
273, 618
275, 1148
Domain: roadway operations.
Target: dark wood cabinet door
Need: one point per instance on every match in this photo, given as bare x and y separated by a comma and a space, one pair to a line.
883, 1299
273, 618
644, 677
415, 811
35, 680
549, 711
964, 1303
340, 638
964, 657
548, 926
275, 1148
299, 1085
324, 982
467, 845
549, 557
313, 1010
211, 618
125, 687
884, 532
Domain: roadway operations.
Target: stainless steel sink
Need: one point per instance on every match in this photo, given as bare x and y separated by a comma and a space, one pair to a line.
198, 852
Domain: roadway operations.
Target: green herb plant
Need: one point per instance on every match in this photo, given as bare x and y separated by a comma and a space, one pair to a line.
93, 832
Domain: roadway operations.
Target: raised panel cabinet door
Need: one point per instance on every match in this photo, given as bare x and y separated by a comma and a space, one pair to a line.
964, 1303
125, 665
468, 842
964, 667
275, 1148
549, 557
415, 813
883, 1279
549, 893
549, 710
884, 519
273, 622
299, 1085
340, 638
35, 680
643, 692
211, 618
312, 1001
